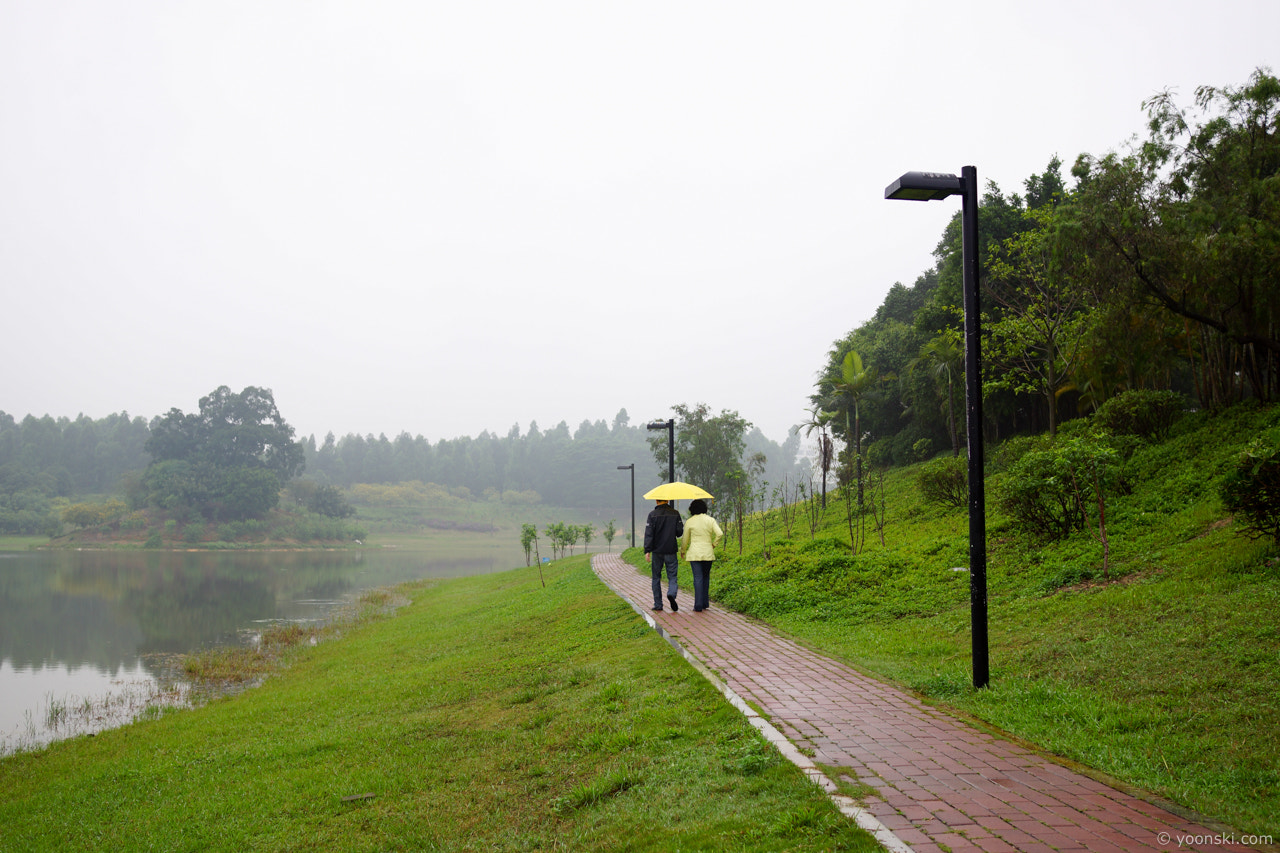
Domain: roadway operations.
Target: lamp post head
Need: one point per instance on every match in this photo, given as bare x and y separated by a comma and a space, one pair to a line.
660, 424
625, 467
924, 186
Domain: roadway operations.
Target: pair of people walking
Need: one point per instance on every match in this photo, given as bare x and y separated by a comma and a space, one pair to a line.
666, 534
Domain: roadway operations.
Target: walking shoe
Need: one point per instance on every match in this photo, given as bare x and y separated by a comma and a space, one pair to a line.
658, 609
674, 607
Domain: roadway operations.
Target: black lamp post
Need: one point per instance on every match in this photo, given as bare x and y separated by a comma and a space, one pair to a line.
632, 467
928, 186
670, 426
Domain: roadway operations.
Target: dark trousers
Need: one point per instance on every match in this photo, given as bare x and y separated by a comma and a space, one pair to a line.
671, 562
701, 583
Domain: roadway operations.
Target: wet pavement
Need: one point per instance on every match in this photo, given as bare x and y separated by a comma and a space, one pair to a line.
941, 784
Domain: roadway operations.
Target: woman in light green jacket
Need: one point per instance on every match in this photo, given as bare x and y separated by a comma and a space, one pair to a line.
698, 546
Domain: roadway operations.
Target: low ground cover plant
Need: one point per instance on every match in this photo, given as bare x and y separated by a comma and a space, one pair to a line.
945, 481
1143, 413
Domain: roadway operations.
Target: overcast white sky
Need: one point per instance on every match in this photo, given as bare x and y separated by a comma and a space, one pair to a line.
446, 217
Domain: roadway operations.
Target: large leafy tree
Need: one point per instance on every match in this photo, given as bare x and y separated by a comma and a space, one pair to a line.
230, 431
1037, 340
709, 447
1190, 222
1125, 344
1002, 218
820, 422
229, 459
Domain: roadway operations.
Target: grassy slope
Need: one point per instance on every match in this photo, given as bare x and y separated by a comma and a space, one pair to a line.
490, 713
1166, 675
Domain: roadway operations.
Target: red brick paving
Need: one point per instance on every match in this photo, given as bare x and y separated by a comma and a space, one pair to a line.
941, 783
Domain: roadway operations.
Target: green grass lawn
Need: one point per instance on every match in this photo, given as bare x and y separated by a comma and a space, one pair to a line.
489, 713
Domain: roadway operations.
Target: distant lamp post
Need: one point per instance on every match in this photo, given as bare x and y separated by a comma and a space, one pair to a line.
632, 468
930, 186
670, 426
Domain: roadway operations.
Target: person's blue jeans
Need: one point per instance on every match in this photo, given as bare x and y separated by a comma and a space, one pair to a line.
672, 563
701, 583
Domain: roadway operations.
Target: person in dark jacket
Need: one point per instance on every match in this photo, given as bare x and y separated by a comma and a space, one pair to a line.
662, 532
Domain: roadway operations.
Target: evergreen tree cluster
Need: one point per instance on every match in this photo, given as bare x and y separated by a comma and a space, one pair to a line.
42, 459
567, 469
212, 463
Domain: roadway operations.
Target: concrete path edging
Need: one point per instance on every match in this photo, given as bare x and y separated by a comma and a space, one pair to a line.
847, 805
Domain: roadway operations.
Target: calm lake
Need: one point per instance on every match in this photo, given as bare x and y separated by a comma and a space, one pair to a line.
90, 638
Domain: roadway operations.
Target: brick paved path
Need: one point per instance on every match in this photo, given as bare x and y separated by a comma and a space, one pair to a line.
942, 784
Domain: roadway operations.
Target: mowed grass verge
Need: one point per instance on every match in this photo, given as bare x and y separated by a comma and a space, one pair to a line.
489, 713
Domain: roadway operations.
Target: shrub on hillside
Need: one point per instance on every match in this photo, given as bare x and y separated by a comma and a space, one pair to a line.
136, 520
253, 528
1051, 492
1251, 490
945, 481
900, 447
329, 501
92, 515
1038, 496
1005, 455
880, 455
1147, 414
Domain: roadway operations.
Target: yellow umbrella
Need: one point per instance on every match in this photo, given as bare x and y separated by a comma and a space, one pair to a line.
677, 491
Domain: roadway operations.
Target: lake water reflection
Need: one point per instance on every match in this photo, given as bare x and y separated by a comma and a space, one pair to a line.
79, 625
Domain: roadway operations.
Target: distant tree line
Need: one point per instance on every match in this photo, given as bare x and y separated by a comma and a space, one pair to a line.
568, 469
228, 460
43, 459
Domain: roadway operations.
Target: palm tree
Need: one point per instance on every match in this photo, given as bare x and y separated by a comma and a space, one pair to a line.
850, 387
944, 358
820, 420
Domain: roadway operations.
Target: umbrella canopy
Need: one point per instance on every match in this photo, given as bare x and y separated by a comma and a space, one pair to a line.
677, 491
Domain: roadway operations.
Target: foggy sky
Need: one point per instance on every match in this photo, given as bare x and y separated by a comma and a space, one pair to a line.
443, 218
